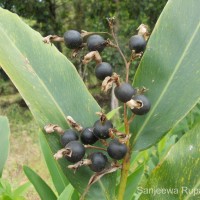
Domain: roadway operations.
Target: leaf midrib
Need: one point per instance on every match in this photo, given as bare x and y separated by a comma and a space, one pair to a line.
169, 81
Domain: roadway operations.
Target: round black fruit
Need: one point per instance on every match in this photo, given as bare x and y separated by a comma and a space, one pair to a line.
95, 43
68, 136
124, 92
88, 137
116, 150
137, 43
103, 70
98, 160
145, 105
72, 39
101, 130
77, 151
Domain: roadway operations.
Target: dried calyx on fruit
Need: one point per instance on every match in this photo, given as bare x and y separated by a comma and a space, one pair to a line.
77, 151
109, 81
139, 104
65, 136
74, 151
137, 43
101, 127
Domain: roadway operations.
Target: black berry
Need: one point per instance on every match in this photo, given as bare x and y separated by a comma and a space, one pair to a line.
95, 43
88, 137
98, 160
124, 92
145, 105
137, 43
116, 150
101, 129
77, 151
68, 136
103, 70
72, 39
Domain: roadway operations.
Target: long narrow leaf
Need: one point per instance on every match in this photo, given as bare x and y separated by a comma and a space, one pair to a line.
40, 185
170, 70
177, 175
133, 181
4, 141
52, 88
21, 189
58, 178
67, 193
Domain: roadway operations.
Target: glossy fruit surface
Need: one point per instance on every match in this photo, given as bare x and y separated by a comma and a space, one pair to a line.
124, 92
77, 149
99, 161
116, 150
73, 39
95, 43
137, 43
103, 70
88, 137
68, 136
101, 130
145, 105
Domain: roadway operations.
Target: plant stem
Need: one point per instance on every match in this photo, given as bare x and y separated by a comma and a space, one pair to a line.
126, 161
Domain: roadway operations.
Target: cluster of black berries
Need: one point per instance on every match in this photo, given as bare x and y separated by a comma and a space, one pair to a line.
76, 140
124, 92
74, 40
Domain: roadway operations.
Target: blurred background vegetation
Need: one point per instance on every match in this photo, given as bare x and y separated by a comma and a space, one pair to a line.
56, 17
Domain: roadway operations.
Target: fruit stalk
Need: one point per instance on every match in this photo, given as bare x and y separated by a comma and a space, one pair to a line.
126, 161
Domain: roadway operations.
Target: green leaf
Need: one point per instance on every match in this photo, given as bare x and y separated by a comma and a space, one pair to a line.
75, 195
5, 187
21, 189
67, 193
178, 171
40, 185
112, 113
52, 89
58, 178
170, 70
4, 141
133, 181
188, 122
